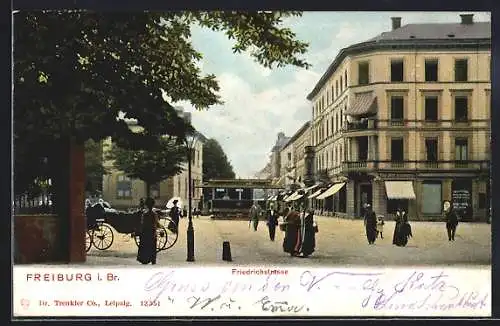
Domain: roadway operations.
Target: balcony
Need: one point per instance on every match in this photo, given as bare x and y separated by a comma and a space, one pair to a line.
366, 124
420, 166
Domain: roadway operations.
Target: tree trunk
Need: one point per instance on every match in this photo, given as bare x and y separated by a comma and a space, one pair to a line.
148, 189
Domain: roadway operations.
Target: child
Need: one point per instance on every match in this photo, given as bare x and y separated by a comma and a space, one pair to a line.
380, 226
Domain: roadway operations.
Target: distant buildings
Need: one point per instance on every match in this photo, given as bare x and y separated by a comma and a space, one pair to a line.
403, 120
122, 192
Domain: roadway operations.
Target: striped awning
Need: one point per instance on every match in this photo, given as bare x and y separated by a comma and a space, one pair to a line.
292, 196
315, 194
332, 190
365, 104
310, 188
399, 190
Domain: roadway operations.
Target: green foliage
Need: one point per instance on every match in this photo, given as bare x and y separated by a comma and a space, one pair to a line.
75, 71
152, 166
94, 168
215, 162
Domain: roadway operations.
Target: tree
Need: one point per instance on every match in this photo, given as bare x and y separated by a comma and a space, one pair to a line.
215, 162
152, 166
76, 70
94, 168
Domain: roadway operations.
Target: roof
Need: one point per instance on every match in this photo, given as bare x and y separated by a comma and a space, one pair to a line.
411, 36
280, 143
297, 134
479, 30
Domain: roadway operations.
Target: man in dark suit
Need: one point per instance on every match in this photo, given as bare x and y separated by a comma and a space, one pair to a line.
272, 221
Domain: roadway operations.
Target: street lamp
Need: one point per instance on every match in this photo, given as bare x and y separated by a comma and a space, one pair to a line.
190, 145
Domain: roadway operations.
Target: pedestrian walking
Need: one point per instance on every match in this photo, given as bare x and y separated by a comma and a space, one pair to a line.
370, 224
308, 234
402, 230
451, 217
380, 226
292, 239
146, 252
254, 215
174, 214
272, 221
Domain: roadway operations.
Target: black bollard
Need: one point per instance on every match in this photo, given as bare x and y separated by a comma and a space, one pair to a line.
226, 251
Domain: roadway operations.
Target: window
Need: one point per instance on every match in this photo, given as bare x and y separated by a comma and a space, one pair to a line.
289, 156
345, 79
461, 70
431, 197
363, 73
431, 108
397, 110
337, 89
461, 149
397, 71
431, 149
123, 187
337, 122
431, 70
461, 108
397, 150
341, 84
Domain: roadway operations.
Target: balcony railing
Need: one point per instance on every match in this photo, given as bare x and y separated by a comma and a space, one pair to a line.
361, 166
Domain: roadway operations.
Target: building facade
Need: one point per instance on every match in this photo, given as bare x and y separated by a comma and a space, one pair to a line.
404, 120
275, 157
123, 193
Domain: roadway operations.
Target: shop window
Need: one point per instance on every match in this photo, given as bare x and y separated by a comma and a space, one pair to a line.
431, 198
394, 204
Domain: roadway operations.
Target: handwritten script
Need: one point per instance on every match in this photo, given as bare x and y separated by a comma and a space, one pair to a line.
322, 292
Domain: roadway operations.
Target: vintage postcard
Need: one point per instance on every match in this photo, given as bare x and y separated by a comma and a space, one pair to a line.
251, 164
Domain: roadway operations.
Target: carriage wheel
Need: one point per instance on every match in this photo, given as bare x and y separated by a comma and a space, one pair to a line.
88, 240
161, 238
103, 237
171, 234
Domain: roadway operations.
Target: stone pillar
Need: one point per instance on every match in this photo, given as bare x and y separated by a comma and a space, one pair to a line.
350, 209
379, 198
77, 225
309, 165
447, 189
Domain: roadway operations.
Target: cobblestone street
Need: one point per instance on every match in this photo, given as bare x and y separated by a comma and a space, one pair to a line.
339, 242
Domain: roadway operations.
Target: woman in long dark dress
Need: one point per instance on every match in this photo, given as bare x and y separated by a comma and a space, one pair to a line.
293, 239
308, 234
147, 245
370, 224
402, 231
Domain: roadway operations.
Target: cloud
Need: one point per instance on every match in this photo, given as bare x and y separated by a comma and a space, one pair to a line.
248, 123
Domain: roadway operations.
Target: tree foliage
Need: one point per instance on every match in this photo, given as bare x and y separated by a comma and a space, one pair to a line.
76, 70
94, 167
151, 166
216, 165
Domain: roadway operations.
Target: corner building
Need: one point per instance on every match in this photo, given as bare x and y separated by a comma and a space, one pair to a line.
403, 119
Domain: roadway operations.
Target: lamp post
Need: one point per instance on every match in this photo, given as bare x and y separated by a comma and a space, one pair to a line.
190, 143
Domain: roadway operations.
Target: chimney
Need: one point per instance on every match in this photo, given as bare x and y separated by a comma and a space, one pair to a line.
467, 19
396, 22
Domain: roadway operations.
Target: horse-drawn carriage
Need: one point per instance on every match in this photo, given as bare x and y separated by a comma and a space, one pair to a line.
100, 225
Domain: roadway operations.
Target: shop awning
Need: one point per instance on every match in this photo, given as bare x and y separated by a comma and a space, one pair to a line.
310, 188
298, 196
331, 191
315, 194
293, 196
399, 190
364, 104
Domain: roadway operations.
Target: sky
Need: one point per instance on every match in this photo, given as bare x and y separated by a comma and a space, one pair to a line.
259, 102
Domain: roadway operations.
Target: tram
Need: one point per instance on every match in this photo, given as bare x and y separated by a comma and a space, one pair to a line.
233, 198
